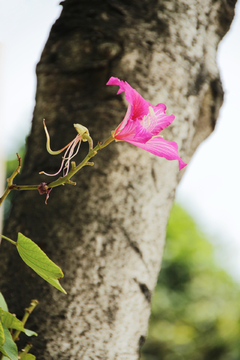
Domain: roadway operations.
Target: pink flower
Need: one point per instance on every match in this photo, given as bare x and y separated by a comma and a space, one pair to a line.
142, 124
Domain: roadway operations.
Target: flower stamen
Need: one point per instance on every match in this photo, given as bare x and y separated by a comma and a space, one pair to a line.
68, 155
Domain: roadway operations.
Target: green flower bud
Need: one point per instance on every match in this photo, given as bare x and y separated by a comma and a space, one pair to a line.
81, 130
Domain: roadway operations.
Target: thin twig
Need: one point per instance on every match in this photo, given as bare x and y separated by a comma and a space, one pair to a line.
10, 181
28, 311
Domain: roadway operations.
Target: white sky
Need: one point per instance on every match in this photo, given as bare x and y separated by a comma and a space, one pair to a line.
24, 29
210, 188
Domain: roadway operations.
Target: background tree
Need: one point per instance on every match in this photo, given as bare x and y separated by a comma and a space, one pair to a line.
195, 308
108, 232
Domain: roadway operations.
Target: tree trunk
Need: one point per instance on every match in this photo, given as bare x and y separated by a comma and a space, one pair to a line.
107, 233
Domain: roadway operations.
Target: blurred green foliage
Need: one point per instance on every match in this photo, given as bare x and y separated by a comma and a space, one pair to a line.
196, 306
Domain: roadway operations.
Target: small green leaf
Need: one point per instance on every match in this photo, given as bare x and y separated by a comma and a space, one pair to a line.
26, 356
36, 259
9, 348
2, 337
3, 303
30, 332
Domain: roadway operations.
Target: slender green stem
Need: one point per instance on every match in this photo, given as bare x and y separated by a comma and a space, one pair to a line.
26, 349
89, 139
10, 181
10, 240
107, 142
28, 311
66, 179
5, 194
24, 187
48, 142
75, 169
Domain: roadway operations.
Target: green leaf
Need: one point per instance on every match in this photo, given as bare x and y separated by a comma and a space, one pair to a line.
3, 303
54, 283
2, 337
30, 332
10, 321
36, 259
26, 356
9, 348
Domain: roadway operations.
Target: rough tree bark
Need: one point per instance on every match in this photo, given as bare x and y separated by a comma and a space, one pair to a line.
107, 233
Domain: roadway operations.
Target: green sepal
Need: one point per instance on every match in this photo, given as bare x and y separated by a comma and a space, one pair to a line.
36, 259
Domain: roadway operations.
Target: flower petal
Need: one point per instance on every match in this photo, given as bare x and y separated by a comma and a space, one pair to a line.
127, 132
163, 148
143, 122
125, 120
156, 119
141, 135
134, 131
138, 105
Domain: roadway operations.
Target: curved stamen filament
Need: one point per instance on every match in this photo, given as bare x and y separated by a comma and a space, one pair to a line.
52, 152
76, 141
66, 159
